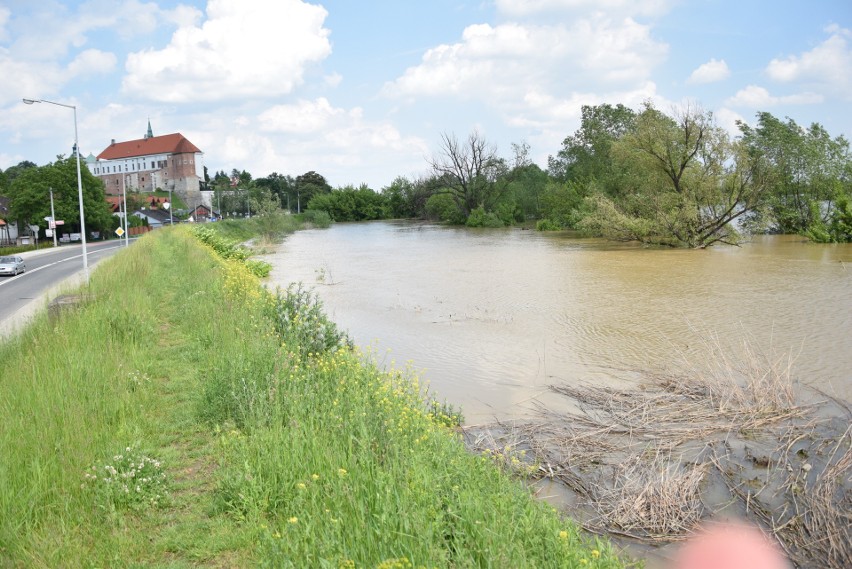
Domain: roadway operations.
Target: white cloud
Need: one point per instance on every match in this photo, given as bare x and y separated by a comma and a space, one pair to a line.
755, 97
513, 67
44, 78
341, 128
9, 160
537, 77
569, 109
333, 79
303, 117
4, 19
127, 18
727, 119
710, 72
339, 143
244, 49
827, 65
53, 29
47, 45
523, 8
183, 16
26, 83
92, 62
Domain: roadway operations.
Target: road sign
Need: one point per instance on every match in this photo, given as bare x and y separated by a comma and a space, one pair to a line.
59, 222
119, 232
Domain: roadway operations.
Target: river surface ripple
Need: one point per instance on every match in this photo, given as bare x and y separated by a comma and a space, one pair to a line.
492, 317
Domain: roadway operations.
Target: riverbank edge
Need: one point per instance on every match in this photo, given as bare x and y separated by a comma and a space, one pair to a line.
159, 410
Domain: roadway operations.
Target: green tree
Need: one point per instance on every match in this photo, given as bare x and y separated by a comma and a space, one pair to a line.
236, 193
30, 196
407, 198
837, 228
688, 182
585, 164
280, 186
525, 183
586, 154
13, 172
307, 186
263, 201
351, 204
562, 202
807, 166
442, 207
224, 195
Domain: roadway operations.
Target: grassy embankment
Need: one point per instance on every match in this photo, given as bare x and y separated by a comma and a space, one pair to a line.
184, 416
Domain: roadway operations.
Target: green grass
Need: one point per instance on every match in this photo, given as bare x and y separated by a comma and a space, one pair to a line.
270, 227
279, 445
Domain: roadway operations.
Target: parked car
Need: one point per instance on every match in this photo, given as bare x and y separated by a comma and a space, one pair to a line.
12, 265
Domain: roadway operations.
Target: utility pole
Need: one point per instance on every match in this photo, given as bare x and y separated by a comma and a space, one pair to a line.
53, 218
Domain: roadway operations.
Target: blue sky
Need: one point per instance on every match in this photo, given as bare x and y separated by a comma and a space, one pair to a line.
362, 91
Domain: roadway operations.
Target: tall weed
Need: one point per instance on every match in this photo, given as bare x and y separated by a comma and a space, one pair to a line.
301, 323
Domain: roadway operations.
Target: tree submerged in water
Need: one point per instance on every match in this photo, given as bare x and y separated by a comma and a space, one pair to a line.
688, 183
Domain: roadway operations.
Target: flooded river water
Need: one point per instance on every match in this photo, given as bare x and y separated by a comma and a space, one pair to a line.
492, 317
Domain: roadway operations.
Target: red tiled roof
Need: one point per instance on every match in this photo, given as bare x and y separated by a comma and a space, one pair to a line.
167, 144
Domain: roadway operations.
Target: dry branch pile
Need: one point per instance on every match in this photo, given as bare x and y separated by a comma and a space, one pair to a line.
650, 463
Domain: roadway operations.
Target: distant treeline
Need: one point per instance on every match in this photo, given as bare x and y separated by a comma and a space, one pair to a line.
675, 179
670, 179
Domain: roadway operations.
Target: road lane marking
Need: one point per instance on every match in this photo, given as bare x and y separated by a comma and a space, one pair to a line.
29, 272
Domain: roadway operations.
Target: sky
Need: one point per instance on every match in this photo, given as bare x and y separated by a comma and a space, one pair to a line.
362, 91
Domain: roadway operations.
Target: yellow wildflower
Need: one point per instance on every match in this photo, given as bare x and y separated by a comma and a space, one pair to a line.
293, 520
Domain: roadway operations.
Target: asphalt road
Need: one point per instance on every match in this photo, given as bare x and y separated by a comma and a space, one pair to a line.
48, 272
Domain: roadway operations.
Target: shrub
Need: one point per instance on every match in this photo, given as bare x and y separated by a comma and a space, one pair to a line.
317, 218
223, 247
838, 228
442, 207
299, 320
230, 250
479, 218
547, 225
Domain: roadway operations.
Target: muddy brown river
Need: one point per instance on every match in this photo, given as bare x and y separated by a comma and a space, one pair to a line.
492, 317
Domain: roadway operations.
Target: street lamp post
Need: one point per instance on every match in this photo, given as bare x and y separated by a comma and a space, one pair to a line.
126, 232
79, 180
